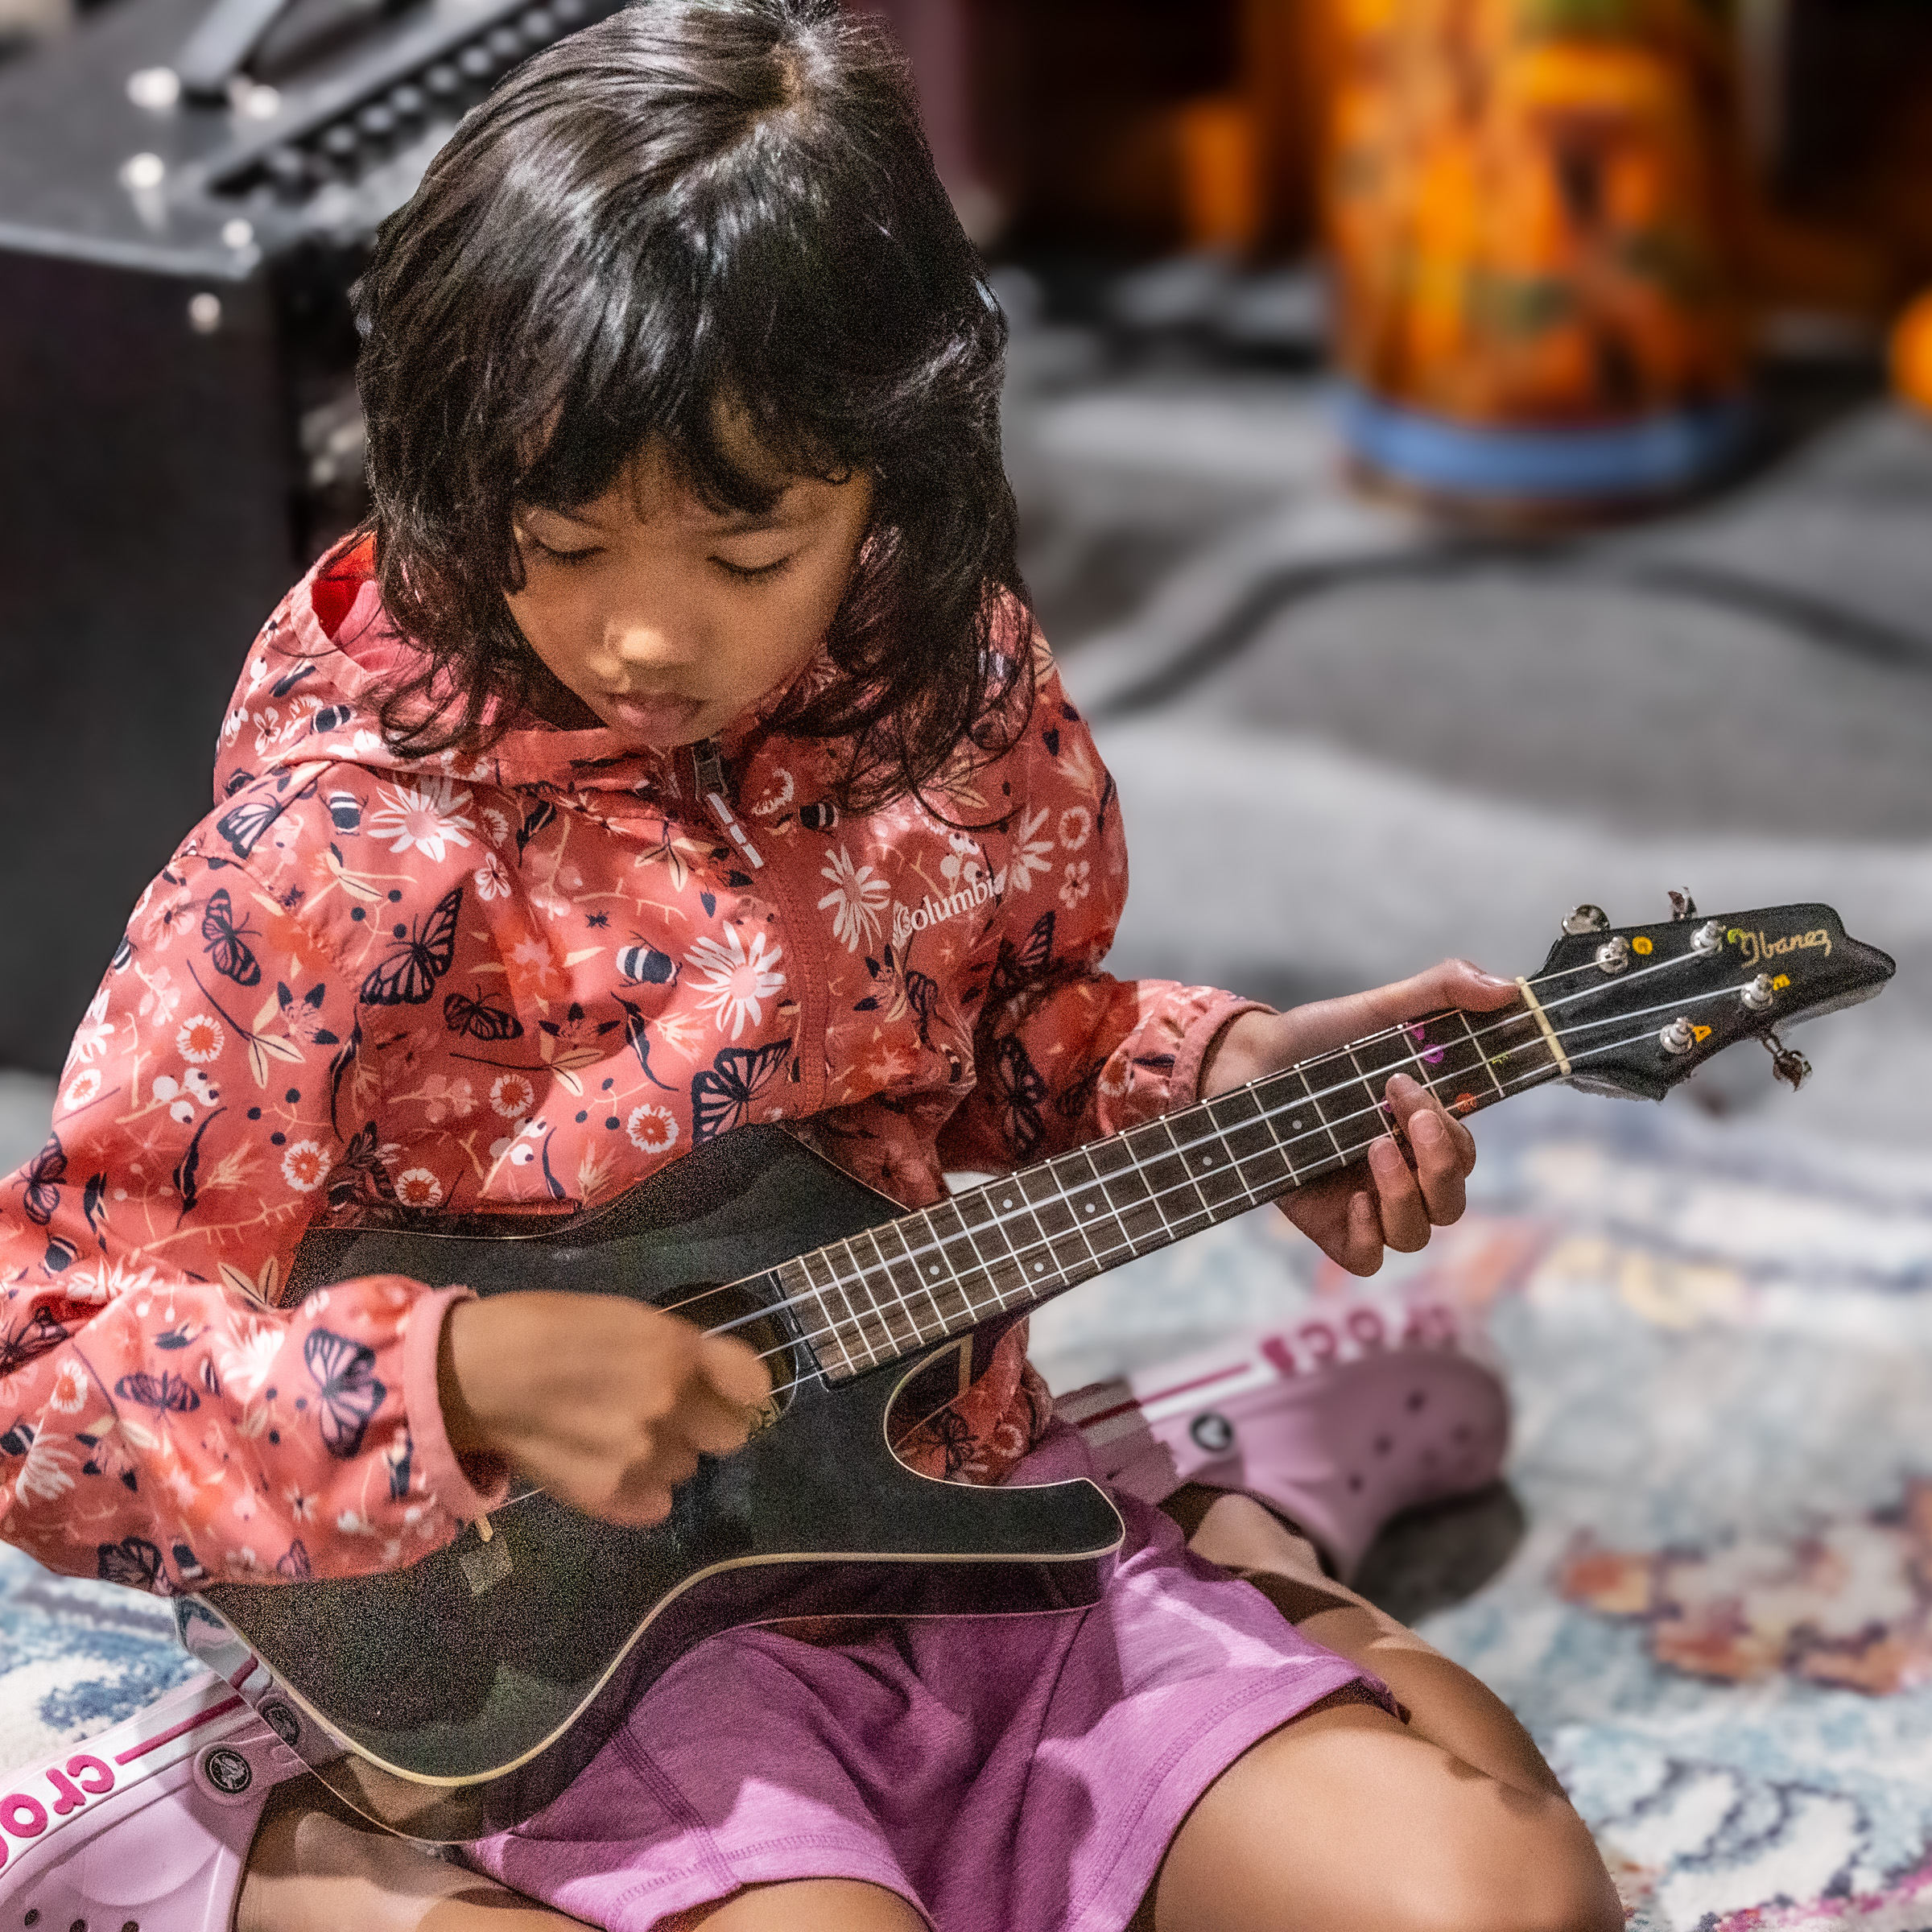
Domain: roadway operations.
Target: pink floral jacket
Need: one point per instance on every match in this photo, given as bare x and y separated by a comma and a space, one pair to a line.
369, 987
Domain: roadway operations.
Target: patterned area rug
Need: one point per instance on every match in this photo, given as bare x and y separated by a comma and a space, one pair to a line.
1707, 1588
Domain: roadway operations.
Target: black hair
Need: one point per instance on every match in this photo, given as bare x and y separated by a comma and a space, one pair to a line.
692, 207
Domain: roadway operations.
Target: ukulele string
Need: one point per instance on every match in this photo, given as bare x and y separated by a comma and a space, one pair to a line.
1516, 1082
1026, 1251
1315, 1096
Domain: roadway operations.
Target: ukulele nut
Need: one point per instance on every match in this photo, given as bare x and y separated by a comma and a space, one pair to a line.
1760, 994
1680, 1036
1613, 955
1709, 937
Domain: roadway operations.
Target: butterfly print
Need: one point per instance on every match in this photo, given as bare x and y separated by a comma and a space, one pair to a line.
922, 993
408, 976
237, 781
722, 1093
478, 1019
351, 1394
1072, 1103
28, 1342
134, 1562
1021, 1090
168, 1393
358, 1179
1015, 966
294, 1564
227, 943
44, 1179
244, 826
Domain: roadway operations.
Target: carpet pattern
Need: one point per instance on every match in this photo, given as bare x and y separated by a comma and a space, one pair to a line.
1708, 1588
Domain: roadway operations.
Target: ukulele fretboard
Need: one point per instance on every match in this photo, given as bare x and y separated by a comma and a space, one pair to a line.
1020, 1239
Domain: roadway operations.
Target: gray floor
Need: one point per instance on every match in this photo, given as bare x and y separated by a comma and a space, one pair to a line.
1348, 743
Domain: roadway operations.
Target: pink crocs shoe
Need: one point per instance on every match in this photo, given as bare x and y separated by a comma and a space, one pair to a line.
146, 1827
1337, 1424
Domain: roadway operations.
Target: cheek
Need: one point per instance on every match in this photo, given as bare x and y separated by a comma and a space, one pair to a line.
555, 632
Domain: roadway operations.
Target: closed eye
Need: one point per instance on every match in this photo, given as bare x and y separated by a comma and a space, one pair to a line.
560, 556
747, 572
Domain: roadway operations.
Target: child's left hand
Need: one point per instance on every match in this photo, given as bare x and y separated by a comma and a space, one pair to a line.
1409, 1191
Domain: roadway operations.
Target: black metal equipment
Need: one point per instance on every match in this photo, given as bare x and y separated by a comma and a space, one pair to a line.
179, 431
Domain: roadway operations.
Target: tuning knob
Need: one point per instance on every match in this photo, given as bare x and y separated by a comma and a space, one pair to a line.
1613, 955
1680, 1036
1709, 937
1787, 1063
1760, 994
1682, 906
1582, 919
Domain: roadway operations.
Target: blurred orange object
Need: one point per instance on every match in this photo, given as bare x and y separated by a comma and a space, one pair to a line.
1912, 353
1532, 208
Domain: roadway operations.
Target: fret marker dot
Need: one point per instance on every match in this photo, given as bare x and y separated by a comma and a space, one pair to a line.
1008, 1202
1039, 1267
932, 1271
1296, 1124
1207, 1160
1091, 1208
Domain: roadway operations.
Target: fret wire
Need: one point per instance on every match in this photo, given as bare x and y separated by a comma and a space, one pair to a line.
1267, 1119
1067, 1197
1379, 1108
872, 1234
1469, 1031
1112, 1218
938, 1249
846, 1288
849, 1319
1181, 1158
1270, 1151
994, 1226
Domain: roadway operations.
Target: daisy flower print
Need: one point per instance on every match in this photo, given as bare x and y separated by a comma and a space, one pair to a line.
423, 817
734, 983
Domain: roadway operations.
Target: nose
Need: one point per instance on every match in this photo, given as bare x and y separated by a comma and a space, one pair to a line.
656, 644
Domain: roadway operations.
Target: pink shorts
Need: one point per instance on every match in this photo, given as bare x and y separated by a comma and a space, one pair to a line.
1000, 1774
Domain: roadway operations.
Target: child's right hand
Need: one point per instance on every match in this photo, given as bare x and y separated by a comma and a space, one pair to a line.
603, 1402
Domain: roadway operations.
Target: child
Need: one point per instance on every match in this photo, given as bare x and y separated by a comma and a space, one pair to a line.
676, 752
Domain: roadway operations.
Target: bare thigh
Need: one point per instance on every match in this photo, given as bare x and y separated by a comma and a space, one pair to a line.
1343, 1820
809, 1904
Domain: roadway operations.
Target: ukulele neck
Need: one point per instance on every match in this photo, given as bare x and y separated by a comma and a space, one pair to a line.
1008, 1246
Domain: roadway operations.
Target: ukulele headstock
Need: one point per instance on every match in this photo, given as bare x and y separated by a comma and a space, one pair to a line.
1635, 1009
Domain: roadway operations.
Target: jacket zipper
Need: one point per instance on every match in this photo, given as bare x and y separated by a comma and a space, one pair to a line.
808, 978
707, 768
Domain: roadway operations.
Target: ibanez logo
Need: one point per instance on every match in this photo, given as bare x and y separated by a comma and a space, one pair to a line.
1757, 947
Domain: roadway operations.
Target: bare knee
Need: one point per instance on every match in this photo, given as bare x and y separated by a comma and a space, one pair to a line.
1536, 1869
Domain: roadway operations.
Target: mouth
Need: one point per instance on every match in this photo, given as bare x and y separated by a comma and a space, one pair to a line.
656, 720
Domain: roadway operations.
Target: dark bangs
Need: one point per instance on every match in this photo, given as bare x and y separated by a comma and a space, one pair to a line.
697, 207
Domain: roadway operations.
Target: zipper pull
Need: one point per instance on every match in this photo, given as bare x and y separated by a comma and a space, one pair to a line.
707, 767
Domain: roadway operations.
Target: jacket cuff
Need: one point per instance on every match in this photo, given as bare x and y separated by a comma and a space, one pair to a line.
423, 1405
1184, 1083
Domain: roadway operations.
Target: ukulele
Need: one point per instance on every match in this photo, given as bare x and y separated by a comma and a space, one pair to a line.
458, 1696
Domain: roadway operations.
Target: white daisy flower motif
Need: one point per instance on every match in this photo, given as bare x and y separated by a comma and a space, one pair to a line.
1076, 885
304, 1166
247, 1360
493, 881
69, 1392
735, 983
199, 1039
1076, 827
107, 1281
1031, 853
858, 896
418, 1187
94, 1030
422, 817
496, 823
83, 1087
652, 1129
512, 1095
48, 1473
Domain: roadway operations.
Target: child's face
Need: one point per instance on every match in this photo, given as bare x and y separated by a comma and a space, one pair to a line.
667, 619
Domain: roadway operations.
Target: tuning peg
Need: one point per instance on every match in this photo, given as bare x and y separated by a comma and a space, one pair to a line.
1682, 906
1787, 1063
1586, 918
